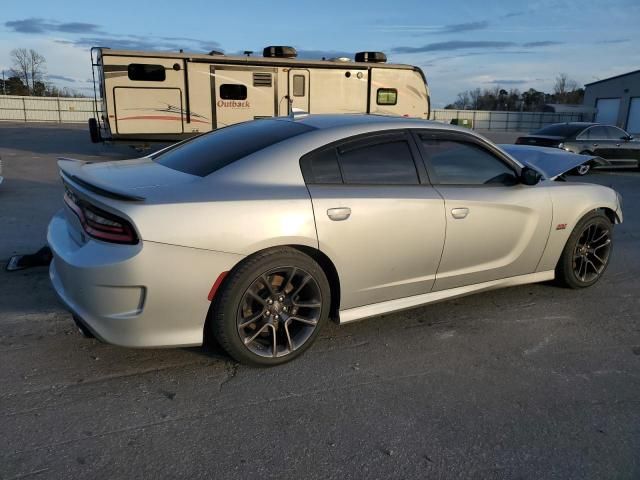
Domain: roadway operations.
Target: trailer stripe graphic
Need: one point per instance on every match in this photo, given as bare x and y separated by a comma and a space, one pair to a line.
158, 117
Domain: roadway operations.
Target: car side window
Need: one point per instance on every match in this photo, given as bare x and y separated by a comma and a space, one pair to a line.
585, 134
384, 161
321, 166
597, 133
614, 133
456, 162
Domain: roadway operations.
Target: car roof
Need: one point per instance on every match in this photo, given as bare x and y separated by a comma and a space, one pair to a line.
577, 124
333, 121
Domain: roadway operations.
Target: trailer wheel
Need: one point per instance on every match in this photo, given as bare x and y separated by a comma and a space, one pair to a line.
94, 131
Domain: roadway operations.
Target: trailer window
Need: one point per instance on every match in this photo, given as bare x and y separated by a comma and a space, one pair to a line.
387, 96
207, 153
146, 73
298, 85
233, 91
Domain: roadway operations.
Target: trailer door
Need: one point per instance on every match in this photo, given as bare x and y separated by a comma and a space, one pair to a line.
299, 89
242, 93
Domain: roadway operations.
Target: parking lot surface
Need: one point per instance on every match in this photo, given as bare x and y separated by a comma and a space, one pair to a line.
527, 382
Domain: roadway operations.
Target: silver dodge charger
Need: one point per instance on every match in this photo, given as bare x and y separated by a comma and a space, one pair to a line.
260, 232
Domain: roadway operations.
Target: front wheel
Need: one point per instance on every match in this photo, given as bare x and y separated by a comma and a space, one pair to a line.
587, 253
271, 307
582, 170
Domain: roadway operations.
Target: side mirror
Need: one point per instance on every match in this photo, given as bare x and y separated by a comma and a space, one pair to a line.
529, 176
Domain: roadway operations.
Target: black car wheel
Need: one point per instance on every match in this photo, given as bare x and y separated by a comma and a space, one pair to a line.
271, 307
587, 253
582, 170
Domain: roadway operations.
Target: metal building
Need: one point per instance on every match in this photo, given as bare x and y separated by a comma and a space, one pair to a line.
616, 100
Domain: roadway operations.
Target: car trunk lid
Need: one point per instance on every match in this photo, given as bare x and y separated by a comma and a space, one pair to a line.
130, 180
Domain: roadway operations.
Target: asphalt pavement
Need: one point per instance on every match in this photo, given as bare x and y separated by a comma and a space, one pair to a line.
531, 382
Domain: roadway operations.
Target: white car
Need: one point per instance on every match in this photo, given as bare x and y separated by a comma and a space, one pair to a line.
259, 232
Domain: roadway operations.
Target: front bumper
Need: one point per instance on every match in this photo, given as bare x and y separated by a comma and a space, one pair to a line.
145, 295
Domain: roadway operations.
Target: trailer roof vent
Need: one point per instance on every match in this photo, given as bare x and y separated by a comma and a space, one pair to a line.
216, 52
279, 51
339, 59
371, 57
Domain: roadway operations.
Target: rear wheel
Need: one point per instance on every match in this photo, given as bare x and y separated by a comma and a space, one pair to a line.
271, 308
587, 253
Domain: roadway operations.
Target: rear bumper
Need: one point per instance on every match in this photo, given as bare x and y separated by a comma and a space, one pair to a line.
145, 295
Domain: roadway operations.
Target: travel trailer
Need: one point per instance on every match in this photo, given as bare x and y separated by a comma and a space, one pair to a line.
153, 96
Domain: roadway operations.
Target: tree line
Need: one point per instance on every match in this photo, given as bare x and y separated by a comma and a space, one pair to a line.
565, 91
28, 77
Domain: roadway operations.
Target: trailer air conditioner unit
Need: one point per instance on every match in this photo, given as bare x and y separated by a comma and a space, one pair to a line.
279, 51
371, 57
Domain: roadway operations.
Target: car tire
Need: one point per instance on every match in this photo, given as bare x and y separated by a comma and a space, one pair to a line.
587, 252
94, 131
253, 311
582, 170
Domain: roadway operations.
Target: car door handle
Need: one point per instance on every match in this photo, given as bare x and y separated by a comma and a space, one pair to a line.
595, 145
339, 214
459, 213
617, 144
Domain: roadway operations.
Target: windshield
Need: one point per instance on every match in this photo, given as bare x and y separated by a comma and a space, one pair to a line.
561, 130
207, 153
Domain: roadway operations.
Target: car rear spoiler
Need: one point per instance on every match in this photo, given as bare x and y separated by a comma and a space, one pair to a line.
71, 171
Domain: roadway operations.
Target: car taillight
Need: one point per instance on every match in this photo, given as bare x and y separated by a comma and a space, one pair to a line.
100, 224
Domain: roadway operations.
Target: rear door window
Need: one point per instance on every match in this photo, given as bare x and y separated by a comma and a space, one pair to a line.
385, 160
614, 133
207, 153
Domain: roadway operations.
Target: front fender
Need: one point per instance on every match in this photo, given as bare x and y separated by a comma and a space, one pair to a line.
571, 202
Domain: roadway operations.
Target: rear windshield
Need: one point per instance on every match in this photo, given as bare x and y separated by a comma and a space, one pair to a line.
210, 152
561, 130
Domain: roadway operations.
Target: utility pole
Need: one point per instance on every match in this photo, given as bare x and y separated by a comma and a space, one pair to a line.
4, 84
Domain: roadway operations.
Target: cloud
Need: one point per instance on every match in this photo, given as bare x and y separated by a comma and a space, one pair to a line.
90, 34
36, 25
545, 43
454, 45
614, 41
138, 42
464, 27
61, 77
514, 14
507, 82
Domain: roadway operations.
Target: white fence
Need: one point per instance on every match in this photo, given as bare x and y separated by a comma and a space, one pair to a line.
507, 121
46, 109
79, 110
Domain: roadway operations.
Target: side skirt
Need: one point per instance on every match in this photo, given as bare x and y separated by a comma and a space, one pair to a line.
366, 311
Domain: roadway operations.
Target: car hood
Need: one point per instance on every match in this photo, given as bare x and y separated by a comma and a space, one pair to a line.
127, 179
551, 162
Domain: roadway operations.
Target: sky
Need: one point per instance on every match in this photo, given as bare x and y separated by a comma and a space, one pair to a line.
460, 44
